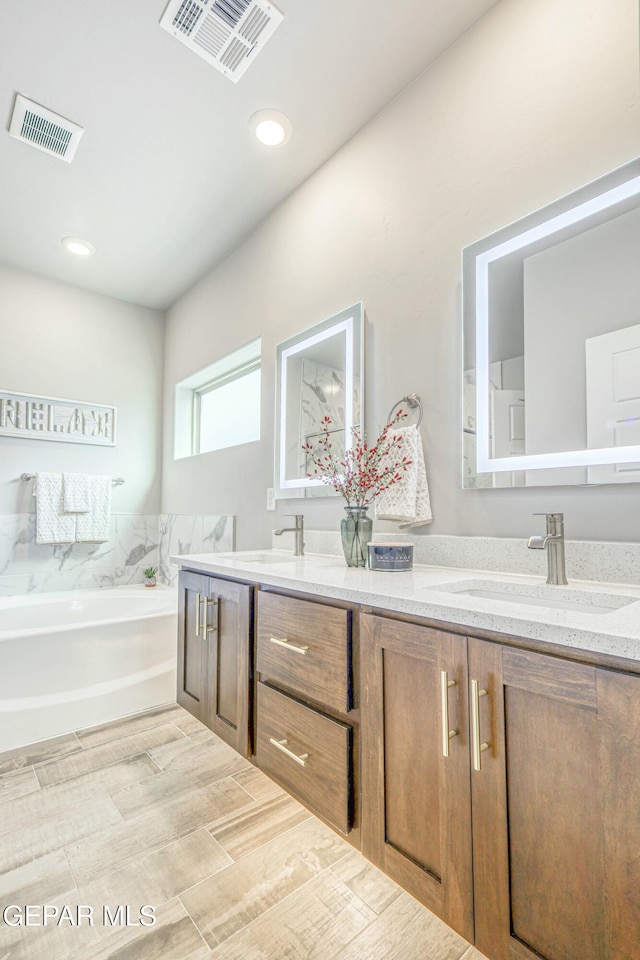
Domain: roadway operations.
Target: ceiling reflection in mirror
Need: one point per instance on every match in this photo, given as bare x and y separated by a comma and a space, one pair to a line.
551, 379
319, 375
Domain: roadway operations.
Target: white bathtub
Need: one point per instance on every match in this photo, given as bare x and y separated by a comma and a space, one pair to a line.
71, 660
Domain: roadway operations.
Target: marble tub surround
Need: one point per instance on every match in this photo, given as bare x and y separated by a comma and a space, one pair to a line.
182, 533
28, 567
598, 560
429, 591
136, 541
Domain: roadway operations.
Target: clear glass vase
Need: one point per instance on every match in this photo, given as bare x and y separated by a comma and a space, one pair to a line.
356, 530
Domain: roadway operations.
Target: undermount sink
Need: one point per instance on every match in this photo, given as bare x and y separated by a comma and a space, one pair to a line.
542, 595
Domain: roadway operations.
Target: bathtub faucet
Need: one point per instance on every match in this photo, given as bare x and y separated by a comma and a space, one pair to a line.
298, 530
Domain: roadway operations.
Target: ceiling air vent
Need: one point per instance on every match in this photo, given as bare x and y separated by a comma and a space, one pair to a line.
226, 33
44, 129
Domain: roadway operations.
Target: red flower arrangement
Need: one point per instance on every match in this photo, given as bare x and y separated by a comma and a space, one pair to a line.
366, 471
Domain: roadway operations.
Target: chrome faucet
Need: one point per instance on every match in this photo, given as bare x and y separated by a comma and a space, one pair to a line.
553, 543
298, 530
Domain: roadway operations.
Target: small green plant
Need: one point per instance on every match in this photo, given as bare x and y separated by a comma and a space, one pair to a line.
150, 572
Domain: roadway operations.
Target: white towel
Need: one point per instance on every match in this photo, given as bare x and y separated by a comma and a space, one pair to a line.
53, 525
75, 487
93, 526
407, 502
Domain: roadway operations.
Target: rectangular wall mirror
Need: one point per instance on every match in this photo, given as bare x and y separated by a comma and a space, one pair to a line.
551, 374
319, 373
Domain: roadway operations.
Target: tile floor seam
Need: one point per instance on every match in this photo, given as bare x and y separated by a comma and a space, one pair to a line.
249, 794
110, 873
244, 788
185, 736
284, 899
103, 766
179, 897
252, 851
261, 845
40, 763
179, 840
73, 876
126, 736
29, 792
157, 770
374, 919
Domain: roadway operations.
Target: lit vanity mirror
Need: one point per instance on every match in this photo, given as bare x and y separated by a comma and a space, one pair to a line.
552, 343
319, 373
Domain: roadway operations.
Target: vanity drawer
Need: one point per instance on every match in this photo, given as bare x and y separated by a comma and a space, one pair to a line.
307, 753
306, 647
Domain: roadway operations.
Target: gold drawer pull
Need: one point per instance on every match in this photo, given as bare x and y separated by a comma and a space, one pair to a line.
282, 746
447, 734
478, 747
288, 645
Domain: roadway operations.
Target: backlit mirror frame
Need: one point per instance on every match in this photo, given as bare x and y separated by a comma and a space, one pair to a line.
349, 323
597, 199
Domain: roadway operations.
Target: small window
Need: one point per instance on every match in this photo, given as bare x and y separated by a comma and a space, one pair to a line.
219, 406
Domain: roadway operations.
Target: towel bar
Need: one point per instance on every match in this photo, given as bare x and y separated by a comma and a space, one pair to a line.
31, 476
413, 401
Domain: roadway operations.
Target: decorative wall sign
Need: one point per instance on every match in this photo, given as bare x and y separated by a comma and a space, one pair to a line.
49, 418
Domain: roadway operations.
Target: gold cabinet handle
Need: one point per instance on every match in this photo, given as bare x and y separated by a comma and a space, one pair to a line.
447, 734
478, 747
282, 746
205, 628
288, 645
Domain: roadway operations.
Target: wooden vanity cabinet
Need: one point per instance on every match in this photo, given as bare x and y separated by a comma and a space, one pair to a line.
498, 785
306, 728
526, 838
214, 646
416, 808
556, 808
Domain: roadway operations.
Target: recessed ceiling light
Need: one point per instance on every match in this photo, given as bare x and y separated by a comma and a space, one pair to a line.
271, 127
81, 248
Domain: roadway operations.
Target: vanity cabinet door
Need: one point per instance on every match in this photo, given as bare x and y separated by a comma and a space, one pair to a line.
416, 811
215, 618
192, 658
556, 816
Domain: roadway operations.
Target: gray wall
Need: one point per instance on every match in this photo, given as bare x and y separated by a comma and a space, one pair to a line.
59, 341
578, 289
538, 98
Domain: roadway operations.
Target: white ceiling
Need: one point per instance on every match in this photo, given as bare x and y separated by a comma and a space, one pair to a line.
167, 178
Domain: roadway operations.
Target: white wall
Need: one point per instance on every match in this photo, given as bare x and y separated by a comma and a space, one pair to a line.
59, 341
538, 98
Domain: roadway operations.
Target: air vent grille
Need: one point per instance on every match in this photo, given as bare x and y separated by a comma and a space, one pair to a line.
254, 25
226, 33
43, 129
234, 54
212, 36
231, 11
43, 133
187, 17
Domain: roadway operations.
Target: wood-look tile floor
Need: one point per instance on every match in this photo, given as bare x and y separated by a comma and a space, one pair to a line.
156, 810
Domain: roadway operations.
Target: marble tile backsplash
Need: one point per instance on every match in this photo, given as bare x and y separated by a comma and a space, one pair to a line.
136, 541
605, 561
205, 533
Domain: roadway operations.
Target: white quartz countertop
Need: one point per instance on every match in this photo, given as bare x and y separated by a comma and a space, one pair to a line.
429, 591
